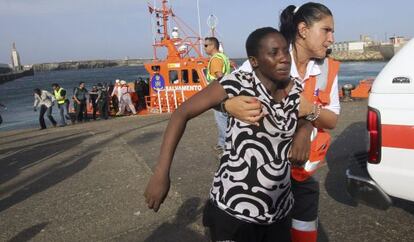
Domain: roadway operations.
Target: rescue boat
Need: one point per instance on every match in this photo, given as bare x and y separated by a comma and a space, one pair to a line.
181, 72
360, 91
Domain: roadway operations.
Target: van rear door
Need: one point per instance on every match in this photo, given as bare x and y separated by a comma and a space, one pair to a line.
392, 95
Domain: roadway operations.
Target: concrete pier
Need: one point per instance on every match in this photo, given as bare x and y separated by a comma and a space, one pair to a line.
85, 183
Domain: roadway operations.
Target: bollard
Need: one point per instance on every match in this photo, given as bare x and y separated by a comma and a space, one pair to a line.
346, 91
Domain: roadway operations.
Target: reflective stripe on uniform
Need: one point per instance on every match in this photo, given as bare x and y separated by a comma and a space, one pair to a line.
59, 98
226, 69
314, 134
322, 79
311, 165
305, 225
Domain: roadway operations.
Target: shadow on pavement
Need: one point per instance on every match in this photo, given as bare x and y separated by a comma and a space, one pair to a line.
33, 145
26, 156
178, 229
145, 138
350, 143
28, 131
322, 236
28, 233
154, 123
408, 206
57, 172
24, 138
64, 170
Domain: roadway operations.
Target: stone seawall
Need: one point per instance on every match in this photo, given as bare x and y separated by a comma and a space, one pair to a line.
365, 56
10, 76
75, 65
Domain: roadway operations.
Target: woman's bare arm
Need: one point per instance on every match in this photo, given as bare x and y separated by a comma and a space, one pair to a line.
159, 183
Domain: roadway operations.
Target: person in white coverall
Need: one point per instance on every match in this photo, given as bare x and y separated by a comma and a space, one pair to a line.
125, 99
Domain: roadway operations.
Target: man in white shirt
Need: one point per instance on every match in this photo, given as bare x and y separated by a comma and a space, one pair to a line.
45, 101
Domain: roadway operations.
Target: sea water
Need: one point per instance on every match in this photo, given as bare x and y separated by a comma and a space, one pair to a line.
17, 95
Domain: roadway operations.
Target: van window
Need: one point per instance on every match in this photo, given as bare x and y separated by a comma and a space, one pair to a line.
196, 78
184, 76
173, 77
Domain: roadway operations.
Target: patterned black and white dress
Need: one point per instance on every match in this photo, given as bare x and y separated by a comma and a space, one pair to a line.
252, 182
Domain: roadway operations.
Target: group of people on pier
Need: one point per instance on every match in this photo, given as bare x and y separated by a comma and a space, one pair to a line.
271, 114
101, 99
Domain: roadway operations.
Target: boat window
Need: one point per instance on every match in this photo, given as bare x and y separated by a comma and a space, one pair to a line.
196, 77
184, 76
173, 77
155, 68
205, 71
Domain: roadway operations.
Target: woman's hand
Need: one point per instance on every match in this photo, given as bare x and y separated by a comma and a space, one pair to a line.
245, 108
157, 189
301, 143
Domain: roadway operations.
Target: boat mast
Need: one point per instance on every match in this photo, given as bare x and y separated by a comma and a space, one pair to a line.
165, 12
199, 27
162, 17
177, 47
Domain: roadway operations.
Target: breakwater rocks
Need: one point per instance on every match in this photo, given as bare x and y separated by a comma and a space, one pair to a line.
365, 56
75, 65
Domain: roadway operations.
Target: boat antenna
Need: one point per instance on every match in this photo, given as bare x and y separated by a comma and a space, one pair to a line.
199, 28
152, 21
212, 22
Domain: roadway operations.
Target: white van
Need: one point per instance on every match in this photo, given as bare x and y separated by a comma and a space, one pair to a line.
388, 170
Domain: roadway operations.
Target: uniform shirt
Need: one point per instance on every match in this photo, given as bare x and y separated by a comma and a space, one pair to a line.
216, 65
93, 95
80, 94
252, 182
46, 98
102, 94
312, 69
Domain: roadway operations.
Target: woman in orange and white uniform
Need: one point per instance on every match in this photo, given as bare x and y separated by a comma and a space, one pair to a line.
309, 29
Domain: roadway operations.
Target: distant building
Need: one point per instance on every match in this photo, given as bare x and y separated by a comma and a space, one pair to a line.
365, 38
398, 40
389, 49
365, 43
356, 46
15, 59
349, 46
367, 46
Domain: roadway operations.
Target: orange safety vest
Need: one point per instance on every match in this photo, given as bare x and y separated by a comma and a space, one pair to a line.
318, 89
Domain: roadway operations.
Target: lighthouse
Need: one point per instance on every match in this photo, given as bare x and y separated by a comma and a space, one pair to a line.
15, 59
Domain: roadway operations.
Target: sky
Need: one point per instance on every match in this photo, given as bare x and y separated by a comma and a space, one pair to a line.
64, 30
